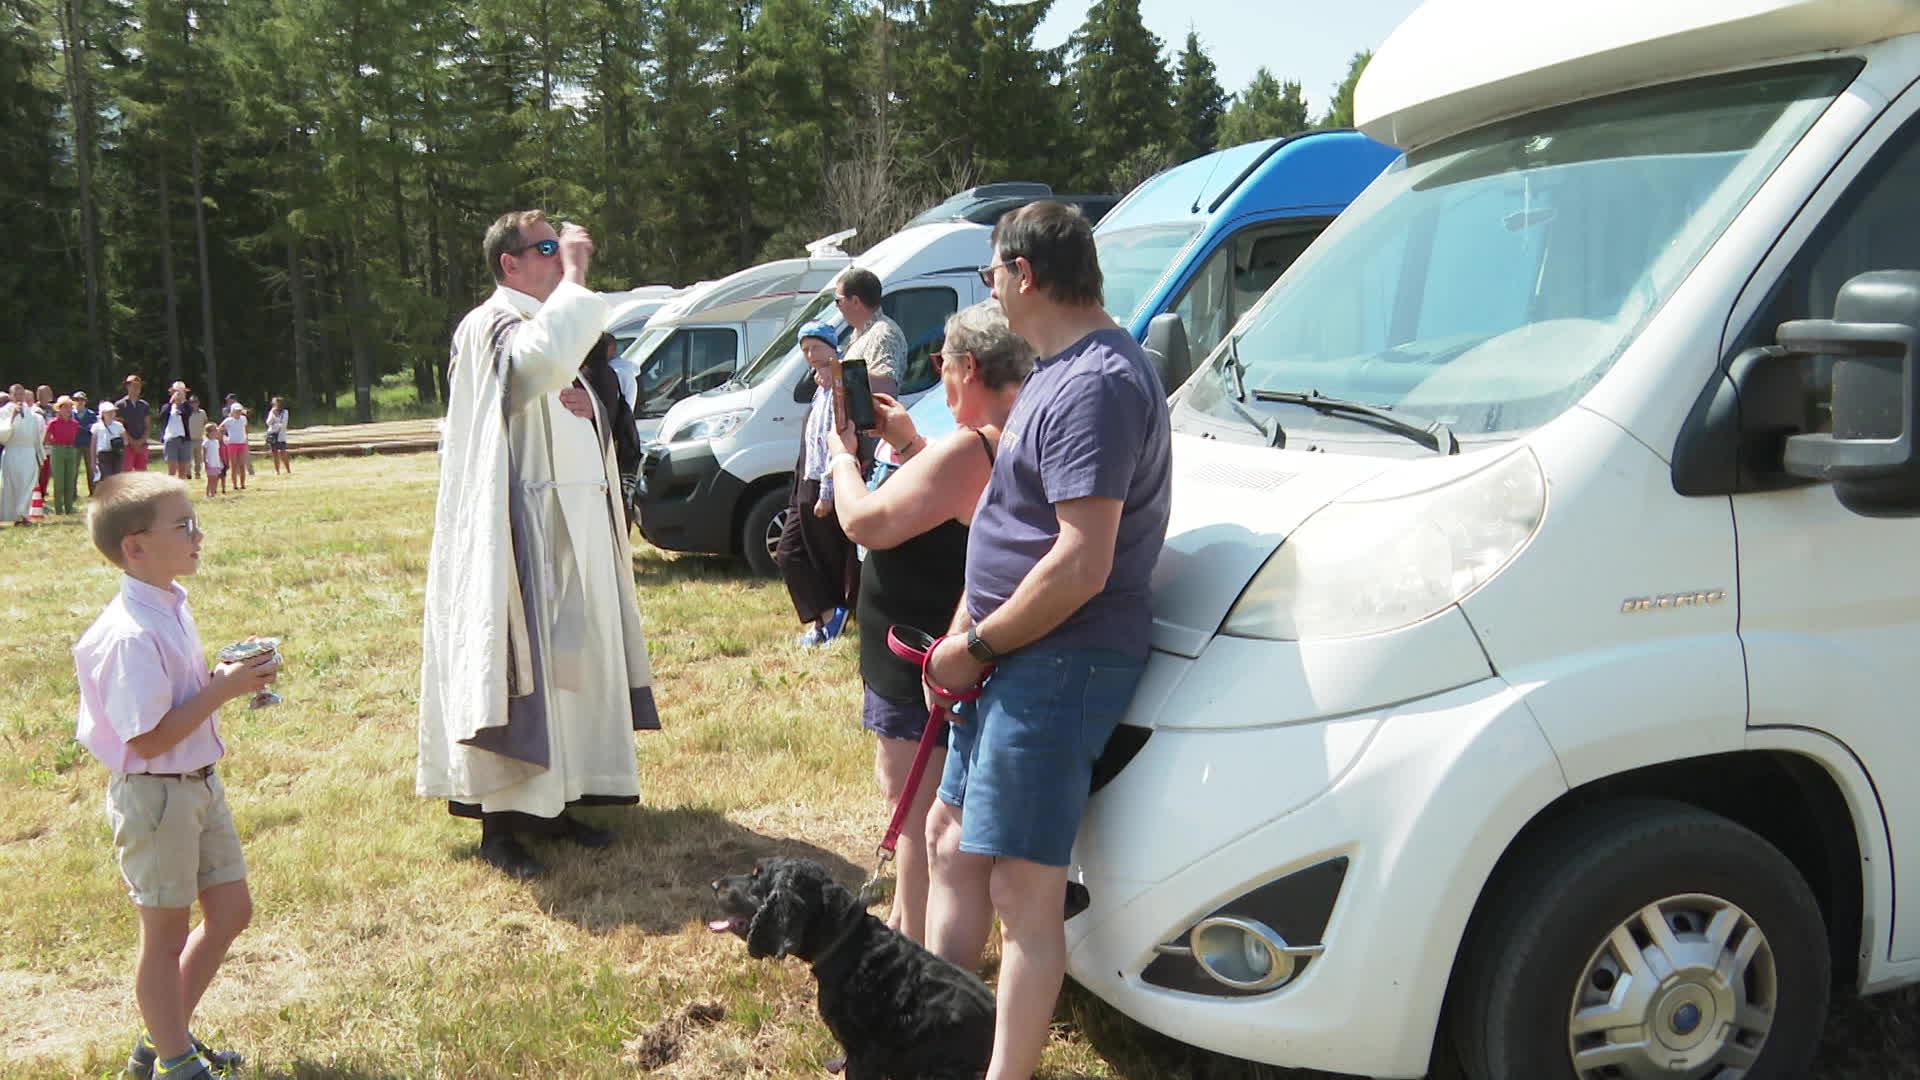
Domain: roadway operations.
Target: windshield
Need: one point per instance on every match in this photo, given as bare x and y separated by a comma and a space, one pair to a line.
644, 345
1133, 260
1488, 281
785, 341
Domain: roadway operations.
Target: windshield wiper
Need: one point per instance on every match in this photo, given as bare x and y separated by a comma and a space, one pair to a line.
1234, 375
1421, 430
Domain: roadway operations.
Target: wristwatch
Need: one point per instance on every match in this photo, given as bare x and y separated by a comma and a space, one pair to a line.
978, 648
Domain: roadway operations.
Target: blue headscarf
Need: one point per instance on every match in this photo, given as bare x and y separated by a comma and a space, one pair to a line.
823, 330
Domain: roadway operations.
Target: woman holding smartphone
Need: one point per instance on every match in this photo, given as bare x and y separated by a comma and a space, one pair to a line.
915, 529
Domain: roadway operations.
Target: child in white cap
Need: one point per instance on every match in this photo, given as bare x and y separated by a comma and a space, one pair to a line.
233, 445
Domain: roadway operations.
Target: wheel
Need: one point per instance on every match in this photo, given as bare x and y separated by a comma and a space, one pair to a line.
1645, 941
760, 532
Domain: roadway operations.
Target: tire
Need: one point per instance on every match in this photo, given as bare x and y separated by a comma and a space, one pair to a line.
1646, 894
760, 531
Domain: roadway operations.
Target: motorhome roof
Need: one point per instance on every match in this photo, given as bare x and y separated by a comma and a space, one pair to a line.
1454, 65
1323, 168
754, 286
926, 249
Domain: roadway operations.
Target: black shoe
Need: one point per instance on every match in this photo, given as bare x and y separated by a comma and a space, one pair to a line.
142, 1058
584, 834
505, 854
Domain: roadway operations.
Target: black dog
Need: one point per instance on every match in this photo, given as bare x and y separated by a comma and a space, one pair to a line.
900, 1012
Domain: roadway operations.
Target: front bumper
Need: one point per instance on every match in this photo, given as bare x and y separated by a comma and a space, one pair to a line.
686, 501
1420, 800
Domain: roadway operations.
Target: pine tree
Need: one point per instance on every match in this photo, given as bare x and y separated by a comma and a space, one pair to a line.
1122, 91
37, 301
1340, 110
1266, 109
1199, 102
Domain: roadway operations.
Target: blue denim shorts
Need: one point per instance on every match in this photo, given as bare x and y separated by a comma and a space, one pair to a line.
1020, 759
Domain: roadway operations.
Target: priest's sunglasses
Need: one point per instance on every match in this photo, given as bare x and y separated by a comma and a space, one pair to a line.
548, 248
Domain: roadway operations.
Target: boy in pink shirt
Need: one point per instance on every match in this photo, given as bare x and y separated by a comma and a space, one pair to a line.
147, 711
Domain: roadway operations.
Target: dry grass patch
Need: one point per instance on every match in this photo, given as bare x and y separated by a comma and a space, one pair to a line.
380, 948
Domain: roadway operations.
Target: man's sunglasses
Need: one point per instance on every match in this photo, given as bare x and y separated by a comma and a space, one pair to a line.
986, 272
939, 359
545, 247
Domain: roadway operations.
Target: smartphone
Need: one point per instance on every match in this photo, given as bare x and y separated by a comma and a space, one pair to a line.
859, 391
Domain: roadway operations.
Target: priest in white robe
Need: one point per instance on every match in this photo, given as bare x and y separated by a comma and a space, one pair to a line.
23, 436
534, 673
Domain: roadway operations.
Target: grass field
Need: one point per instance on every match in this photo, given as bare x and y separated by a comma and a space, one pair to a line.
380, 948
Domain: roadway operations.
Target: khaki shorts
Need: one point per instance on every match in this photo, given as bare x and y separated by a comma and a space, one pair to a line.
174, 838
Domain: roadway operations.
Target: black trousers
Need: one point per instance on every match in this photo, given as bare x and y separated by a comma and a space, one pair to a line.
814, 556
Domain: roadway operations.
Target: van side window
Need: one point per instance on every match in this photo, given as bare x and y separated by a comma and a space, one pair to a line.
689, 362
1874, 226
664, 376
922, 315
712, 355
1236, 276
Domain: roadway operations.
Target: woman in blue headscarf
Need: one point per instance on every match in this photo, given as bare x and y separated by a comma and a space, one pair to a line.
814, 556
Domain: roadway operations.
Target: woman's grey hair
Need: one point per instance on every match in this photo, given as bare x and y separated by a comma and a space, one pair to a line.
1003, 356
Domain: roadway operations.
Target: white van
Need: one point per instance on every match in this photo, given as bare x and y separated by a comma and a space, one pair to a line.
628, 312
702, 339
1536, 634
717, 477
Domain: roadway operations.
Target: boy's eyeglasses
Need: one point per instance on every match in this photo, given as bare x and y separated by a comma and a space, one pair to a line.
187, 526
548, 248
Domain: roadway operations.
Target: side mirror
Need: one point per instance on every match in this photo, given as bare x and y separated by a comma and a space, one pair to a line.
803, 390
1167, 345
1873, 343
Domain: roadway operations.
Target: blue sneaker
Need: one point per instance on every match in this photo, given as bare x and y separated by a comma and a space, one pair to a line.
141, 1060
809, 638
835, 623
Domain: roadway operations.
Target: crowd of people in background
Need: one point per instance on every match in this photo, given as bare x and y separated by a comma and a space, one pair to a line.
50, 445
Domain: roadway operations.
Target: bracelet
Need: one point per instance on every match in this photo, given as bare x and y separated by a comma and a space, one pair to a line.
913, 447
834, 461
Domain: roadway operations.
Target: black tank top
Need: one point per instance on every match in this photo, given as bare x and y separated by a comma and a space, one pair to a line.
917, 583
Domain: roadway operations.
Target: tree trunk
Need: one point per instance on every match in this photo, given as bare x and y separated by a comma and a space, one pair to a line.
199, 216
176, 367
297, 289
357, 328
206, 271
742, 147
323, 307
80, 102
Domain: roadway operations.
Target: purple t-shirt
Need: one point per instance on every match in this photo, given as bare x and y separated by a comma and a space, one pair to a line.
1091, 421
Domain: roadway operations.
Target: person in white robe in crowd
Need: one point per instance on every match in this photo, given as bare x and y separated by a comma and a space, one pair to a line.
23, 435
534, 672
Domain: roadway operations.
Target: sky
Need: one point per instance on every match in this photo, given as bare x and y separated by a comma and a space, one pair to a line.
1308, 41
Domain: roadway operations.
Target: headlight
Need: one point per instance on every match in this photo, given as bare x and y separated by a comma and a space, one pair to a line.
1362, 566
707, 428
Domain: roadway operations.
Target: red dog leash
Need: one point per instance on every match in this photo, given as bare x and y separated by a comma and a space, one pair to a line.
916, 647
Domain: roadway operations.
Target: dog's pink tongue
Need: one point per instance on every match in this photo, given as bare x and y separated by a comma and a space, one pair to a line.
720, 926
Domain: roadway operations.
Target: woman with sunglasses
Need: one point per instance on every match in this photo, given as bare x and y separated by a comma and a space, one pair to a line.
915, 528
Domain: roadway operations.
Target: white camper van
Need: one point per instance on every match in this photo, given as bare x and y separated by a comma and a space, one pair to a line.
629, 311
717, 476
1537, 628
701, 340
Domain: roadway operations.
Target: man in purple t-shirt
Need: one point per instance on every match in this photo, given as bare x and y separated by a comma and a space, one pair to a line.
1057, 603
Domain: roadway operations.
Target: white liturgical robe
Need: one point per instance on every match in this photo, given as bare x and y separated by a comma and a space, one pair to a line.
534, 672
23, 434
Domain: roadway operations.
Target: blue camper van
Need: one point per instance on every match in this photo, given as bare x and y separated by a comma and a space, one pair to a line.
1205, 239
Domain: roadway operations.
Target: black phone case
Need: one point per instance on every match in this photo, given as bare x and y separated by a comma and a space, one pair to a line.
859, 391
